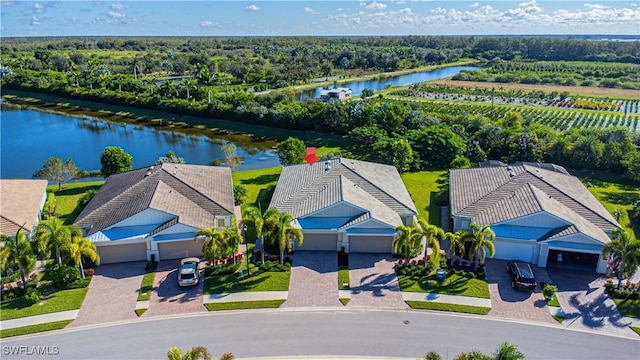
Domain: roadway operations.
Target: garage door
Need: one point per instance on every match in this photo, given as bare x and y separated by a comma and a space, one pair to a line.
370, 244
179, 249
507, 250
319, 242
122, 253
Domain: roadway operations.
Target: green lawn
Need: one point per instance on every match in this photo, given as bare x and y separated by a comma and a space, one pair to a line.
430, 305
344, 301
67, 198
629, 308
256, 181
32, 329
139, 312
559, 319
61, 300
636, 329
453, 285
554, 301
244, 305
343, 277
147, 286
267, 281
423, 187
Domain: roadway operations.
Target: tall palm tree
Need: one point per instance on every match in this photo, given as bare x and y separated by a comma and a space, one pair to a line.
228, 243
53, 233
17, 251
212, 241
188, 84
623, 253
456, 246
481, 240
254, 217
79, 247
408, 239
434, 235
282, 233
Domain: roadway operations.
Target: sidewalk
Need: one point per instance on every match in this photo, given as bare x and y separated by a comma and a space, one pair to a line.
38, 319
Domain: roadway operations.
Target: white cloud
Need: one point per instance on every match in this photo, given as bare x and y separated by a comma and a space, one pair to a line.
119, 6
475, 5
117, 15
38, 8
374, 5
596, 6
207, 23
7, 2
252, 7
35, 21
309, 10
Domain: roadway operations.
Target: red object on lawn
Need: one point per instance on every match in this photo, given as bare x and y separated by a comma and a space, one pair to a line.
311, 156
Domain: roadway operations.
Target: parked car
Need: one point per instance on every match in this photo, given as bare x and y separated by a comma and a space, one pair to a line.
188, 274
521, 276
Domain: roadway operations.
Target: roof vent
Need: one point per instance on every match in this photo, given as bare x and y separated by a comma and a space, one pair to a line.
148, 173
509, 168
327, 166
151, 167
512, 174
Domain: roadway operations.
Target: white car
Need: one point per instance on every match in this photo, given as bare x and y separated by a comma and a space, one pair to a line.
188, 274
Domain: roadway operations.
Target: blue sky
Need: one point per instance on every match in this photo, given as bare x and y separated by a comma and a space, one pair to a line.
327, 17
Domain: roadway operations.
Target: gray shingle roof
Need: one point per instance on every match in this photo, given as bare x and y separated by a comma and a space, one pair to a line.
494, 194
304, 189
194, 193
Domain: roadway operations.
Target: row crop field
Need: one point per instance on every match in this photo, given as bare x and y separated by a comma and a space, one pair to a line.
557, 118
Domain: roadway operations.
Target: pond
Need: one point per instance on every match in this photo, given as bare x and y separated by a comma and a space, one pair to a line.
400, 80
29, 137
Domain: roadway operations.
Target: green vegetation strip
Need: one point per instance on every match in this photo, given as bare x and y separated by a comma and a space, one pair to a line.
139, 312
636, 329
343, 277
32, 329
262, 304
256, 182
559, 319
67, 198
62, 300
453, 285
147, 286
267, 281
423, 187
345, 301
554, 301
628, 308
428, 305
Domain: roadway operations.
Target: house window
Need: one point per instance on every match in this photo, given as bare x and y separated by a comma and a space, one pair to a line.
221, 223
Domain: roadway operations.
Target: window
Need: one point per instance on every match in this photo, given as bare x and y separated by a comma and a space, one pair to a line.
221, 223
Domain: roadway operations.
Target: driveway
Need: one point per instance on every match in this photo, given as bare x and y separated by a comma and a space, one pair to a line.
168, 298
585, 303
374, 283
314, 279
510, 303
112, 294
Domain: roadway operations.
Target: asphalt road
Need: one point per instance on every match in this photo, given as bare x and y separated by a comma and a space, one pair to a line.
314, 333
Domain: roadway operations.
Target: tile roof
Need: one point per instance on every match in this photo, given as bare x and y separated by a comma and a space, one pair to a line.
498, 193
194, 193
20, 204
378, 188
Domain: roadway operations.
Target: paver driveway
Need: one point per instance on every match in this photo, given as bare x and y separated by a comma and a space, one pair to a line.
314, 279
112, 294
510, 303
168, 297
374, 283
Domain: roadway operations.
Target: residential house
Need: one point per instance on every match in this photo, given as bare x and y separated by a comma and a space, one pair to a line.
153, 213
21, 204
339, 94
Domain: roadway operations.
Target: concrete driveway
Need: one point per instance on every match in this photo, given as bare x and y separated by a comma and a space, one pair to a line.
374, 283
112, 294
510, 303
314, 279
168, 297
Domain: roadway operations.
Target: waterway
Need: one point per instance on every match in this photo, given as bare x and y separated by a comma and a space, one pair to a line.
400, 80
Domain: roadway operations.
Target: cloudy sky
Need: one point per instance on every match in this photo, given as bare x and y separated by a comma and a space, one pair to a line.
326, 17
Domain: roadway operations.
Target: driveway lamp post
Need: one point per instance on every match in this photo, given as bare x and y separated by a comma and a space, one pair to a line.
246, 246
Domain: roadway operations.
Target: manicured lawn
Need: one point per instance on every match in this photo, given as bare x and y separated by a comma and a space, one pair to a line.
244, 305
559, 319
61, 300
256, 181
147, 286
139, 312
453, 285
629, 308
267, 281
423, 187
345, 301
429, 305
343, 277
636, 329
554, 301
32, 329
67, 198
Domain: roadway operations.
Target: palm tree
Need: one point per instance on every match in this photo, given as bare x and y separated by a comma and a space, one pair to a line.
17, 251
52, 233
408, 239
507, 351
481, 239
212, 241
228, 243
282, 233
618, 214
79, 247
254, 217
456, 246
433, 234
623, 253
187, 84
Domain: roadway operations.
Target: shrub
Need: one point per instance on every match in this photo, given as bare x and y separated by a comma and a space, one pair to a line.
223, 269
32, 296
89, 272
548, 290
150, 266
63, 276
275, 266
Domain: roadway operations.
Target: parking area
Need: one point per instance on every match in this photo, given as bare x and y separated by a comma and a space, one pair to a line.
168, 298
112, 294
314, 279
511, 303
374, 283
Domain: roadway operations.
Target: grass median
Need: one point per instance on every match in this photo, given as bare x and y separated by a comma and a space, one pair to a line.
628, 307
56, 301
266, 281
453, 285
241, 305
428, 305
32, 329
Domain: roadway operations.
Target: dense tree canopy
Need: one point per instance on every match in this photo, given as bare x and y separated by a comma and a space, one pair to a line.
115, 160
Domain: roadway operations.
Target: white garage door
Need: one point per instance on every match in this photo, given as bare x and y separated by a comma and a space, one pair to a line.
122, 253
179, 249
507, 250
371, 244
319, 242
